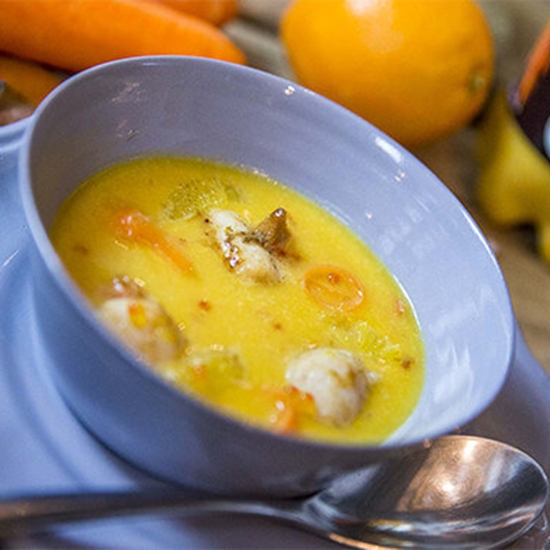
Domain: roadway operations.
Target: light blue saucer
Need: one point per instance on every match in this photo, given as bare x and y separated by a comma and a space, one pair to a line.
43, 447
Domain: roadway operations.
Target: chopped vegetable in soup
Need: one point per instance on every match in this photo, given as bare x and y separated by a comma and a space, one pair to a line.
247, 295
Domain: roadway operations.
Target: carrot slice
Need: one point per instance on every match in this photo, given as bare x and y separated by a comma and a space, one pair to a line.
76, 34
135, 226
334, 287
290, 404
285, 420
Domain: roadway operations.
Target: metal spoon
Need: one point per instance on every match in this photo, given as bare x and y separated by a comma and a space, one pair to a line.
455, 492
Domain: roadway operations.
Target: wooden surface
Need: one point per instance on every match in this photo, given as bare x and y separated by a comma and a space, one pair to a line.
516, 25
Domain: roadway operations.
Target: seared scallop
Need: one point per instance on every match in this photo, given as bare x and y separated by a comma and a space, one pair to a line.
336, 379
141, 322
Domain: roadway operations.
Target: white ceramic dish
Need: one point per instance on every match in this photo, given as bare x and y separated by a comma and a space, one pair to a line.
206, 108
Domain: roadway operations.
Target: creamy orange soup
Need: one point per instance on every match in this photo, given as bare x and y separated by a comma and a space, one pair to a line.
247, 295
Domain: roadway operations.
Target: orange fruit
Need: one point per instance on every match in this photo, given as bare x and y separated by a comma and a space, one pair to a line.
417, 69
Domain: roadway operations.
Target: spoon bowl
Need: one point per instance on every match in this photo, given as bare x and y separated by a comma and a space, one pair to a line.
458, 491
455, 492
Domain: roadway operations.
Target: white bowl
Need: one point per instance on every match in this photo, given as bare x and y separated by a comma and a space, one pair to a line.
402, 211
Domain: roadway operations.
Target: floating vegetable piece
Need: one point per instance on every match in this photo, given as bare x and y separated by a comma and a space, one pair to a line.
290, 406
334, 287
284, 420
77, 34
213, 372
136, 227
195, 196
220, 365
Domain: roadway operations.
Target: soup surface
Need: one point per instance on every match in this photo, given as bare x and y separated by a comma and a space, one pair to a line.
247, 295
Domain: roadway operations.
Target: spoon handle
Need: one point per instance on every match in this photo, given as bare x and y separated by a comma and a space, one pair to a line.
33, 513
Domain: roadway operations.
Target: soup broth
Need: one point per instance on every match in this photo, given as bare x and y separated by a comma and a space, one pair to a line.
247, 295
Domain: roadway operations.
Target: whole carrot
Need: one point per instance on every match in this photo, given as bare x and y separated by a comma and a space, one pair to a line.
217, 12
76, 34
